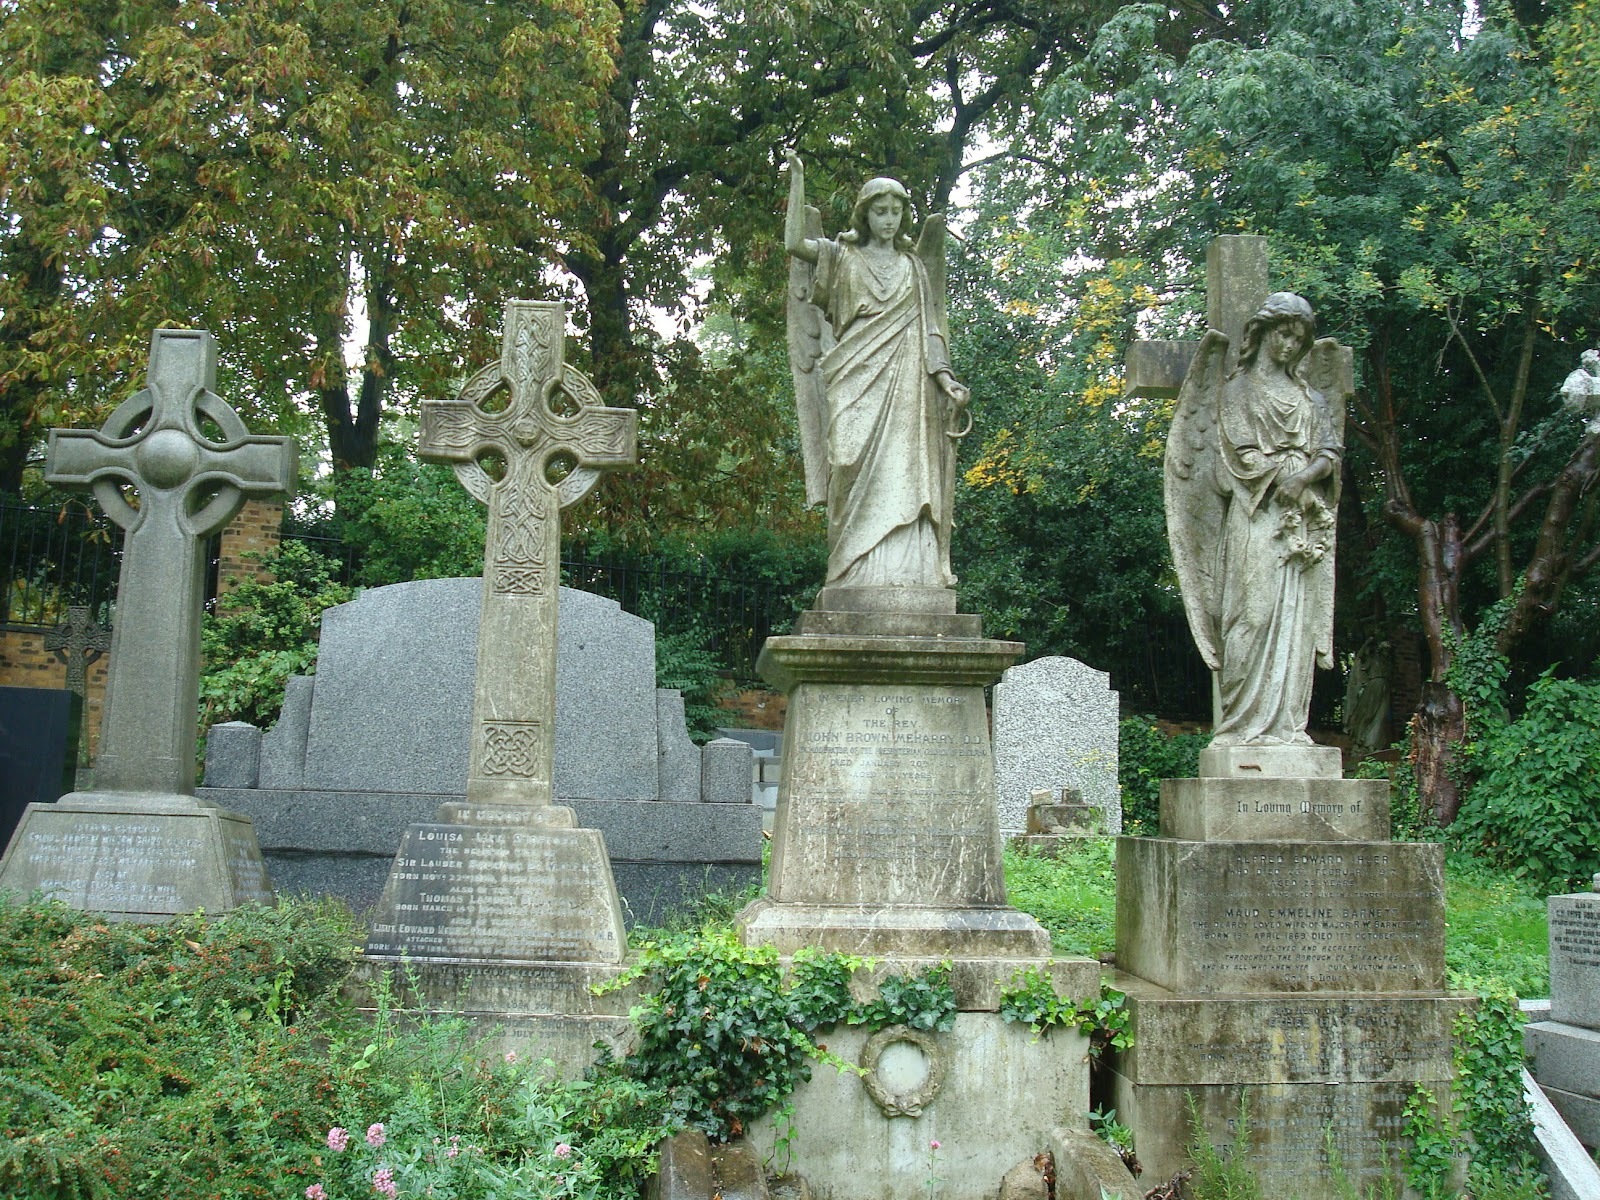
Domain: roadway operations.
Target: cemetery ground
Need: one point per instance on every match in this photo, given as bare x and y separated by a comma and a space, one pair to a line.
218, 1058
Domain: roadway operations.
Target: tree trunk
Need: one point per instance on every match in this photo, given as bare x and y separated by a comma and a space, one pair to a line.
1436, 731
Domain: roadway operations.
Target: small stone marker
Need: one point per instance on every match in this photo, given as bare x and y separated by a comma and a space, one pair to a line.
141, 846
502, 906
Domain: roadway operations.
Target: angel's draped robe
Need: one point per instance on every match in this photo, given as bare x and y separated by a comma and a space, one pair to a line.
1276, 616
891, 466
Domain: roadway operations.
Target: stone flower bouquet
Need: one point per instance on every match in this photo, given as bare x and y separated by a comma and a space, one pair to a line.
1305, 529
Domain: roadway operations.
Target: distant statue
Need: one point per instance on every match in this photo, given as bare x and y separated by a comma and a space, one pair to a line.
1252, 488
1581, 391
880, 409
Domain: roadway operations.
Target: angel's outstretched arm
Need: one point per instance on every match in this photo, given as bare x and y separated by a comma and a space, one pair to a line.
794, 224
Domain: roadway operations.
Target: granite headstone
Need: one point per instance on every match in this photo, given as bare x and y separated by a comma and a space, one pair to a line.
39, 729
1055, 725
1565, 1049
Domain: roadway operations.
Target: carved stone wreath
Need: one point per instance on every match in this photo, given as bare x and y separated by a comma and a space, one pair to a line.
908, 1103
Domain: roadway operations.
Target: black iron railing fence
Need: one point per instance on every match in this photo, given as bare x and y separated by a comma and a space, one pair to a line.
53, 558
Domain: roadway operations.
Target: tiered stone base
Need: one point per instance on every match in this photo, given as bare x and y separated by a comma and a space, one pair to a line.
136, 857
1279, 952
1564, 1051
505, 915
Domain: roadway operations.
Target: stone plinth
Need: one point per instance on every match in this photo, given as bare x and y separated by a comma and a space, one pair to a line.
1564, 1051
137, 858
1214, 917
1301, 1063
886, 839
1279, 949
1245, 809
539, 1009
991, 1093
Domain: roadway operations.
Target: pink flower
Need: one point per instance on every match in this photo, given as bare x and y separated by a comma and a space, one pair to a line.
563, 1150
452, 1152
383, 1181
511, 1056
375, 1136
338, 1138
933, 1145
315, 1192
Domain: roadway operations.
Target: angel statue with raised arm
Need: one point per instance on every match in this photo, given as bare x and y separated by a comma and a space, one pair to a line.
1252, 489
880, 410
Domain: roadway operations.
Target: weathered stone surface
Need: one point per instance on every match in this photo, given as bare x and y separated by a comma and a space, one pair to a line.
1055, 725
233, 755
474, 891
1214, 917
1563, 1056
1185, 1040
1275, 810
1025, 1181
683, 1171
1271, 762
678, 758
726, 771
737, 1173
1581, 1113
1002, 1094
1289, 1124
1067, 816
1572, 1172
147, 861
903, 931
1089, 1169
283, 747
1575, 959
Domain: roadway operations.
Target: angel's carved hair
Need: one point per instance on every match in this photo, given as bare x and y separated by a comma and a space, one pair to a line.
870, 191
1278, 309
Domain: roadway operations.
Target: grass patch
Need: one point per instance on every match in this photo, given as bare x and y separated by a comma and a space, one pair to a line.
1073, 896
1495, 924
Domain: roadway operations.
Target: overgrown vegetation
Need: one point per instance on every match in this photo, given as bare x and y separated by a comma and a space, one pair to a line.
1073, 895
1147, 754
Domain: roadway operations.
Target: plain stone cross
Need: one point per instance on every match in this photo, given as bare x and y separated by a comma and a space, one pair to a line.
1236, 285
539, 418
78, 641
159, 473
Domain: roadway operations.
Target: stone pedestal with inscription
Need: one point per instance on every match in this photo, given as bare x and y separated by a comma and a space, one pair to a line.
506, 916
886, 839
1564, 1051
1278, 951
141, 859
887, 843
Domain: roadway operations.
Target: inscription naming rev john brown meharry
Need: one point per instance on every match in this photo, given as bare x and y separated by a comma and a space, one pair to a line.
896, 783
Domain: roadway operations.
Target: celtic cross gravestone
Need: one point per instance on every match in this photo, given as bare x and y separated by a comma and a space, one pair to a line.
171, 466
502, 907
78, 641
544, 422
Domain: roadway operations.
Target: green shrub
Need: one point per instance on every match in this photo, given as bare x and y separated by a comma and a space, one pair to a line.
1146, 756
263, 632
1532, 808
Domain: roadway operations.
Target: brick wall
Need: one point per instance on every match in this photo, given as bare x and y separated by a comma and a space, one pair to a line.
255, 532
24, 662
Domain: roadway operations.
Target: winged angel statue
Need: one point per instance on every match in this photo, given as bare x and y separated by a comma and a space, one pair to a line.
879, 406
1252, 489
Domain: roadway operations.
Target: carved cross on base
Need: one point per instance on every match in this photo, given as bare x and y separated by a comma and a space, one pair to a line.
188, 486
537, 416
77, 641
